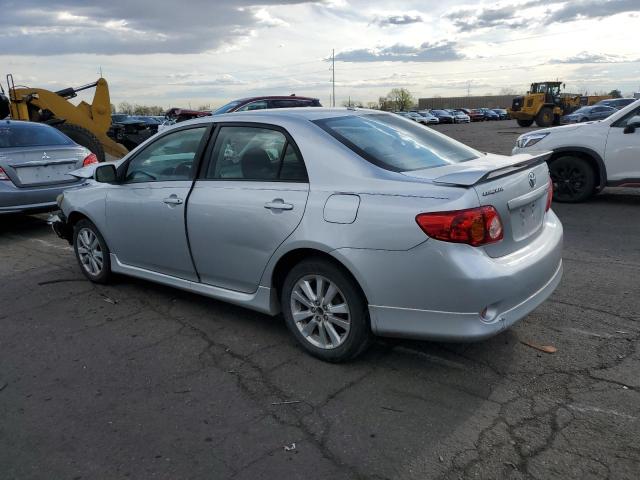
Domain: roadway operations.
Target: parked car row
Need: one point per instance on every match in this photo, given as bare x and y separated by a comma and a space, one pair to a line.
460, 115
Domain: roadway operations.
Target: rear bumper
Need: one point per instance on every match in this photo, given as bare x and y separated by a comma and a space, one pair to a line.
61, 227
27, 200
438, 290
455, 326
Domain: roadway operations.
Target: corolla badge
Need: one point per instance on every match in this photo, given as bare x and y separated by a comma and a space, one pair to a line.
45, 156
492, 191
532, 179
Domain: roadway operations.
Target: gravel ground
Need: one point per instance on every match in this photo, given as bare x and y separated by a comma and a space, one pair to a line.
136, 380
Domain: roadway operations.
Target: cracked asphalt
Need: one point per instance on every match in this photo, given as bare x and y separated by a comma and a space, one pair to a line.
136, 380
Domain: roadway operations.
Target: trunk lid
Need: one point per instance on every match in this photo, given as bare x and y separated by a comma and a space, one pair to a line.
33, 166
515, 186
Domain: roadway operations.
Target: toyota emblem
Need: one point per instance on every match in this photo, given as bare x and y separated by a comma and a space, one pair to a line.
532, 179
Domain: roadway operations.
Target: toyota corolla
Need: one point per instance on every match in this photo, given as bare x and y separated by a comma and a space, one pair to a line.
352, 223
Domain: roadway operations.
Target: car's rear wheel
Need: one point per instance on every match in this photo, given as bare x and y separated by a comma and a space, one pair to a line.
325, 310
525, 123
91, 252
573, 179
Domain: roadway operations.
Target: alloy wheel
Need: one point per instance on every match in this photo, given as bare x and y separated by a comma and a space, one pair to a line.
568, 182
320, 311
90, 252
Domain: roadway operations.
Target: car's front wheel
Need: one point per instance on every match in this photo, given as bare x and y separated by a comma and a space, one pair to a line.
325, 310
573, 179
91, 251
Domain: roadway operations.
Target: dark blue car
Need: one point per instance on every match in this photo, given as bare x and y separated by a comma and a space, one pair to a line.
587, 114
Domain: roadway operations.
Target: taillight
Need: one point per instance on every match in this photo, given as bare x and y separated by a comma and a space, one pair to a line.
3, 175
474, 226
89, 159
549, 195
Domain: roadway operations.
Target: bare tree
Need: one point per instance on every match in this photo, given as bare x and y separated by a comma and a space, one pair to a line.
373, 105
401, 98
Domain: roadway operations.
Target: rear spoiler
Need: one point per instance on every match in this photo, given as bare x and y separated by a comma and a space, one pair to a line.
475, 176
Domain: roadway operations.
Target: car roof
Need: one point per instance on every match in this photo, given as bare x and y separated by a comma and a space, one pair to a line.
9, 122
273, 97
280, 114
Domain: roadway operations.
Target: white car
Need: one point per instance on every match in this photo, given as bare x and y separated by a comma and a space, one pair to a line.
586, 157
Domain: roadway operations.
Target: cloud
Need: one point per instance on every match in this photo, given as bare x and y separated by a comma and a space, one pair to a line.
587, 57
42, 27
515, 15
467, 20
590, 9
427, 52
394, 20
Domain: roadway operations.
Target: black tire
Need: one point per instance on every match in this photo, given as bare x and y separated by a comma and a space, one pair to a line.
574, 179
104, 274
359, 335
525, 123
83, 137
545, 117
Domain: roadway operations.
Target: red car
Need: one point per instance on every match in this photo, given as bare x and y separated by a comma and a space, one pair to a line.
474, 114
261, 103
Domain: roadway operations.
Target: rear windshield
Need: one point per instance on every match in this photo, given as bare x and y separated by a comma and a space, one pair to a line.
14, 135
396, 144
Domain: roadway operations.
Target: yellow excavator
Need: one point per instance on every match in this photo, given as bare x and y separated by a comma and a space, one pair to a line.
86, 124
545, 103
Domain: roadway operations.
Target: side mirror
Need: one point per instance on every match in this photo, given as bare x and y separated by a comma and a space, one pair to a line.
105, 173
632, 124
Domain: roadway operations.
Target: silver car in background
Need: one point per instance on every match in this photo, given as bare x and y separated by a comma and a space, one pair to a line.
35, 161
349, 222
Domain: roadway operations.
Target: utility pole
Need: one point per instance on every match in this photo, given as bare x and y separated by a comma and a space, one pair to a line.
333, 75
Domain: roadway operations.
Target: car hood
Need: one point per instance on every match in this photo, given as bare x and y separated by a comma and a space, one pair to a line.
559, 129
473, 171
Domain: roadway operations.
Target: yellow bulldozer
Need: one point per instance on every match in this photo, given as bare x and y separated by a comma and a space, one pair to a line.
546, 102
86, 124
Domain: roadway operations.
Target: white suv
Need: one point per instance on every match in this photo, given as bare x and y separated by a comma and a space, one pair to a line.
590, 156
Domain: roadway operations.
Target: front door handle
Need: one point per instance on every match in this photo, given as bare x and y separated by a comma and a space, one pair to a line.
278, 204
172, 200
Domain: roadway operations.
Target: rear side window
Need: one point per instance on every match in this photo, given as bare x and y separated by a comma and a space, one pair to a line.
286, 103
395, 144
13, 135
254, 153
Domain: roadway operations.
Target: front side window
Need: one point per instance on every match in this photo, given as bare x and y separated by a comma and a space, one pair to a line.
254, 153
632, 117
393, 144
259, 105
170, 158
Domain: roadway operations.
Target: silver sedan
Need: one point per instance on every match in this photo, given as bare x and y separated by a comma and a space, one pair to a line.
352, 223
35, 160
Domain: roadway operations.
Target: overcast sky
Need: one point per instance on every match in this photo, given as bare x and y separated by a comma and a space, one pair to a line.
194, 52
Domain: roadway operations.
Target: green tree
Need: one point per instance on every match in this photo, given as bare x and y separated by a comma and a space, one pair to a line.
615, 93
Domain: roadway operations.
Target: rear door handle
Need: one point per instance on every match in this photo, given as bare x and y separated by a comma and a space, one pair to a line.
172, 200
278, 204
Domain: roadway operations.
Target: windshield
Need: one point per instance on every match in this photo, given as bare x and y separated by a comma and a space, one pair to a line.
14, 135
396, 144
583, 110
226, 108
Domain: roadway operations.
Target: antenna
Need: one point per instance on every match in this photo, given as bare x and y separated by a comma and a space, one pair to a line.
333, 75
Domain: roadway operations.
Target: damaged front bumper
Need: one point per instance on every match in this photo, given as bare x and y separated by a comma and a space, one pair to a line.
60, 225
